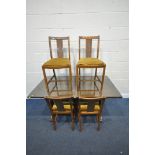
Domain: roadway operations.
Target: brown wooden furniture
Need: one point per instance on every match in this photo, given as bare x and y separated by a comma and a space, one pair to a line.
57, 63
90, 106
109, 89
90, 62
60, 106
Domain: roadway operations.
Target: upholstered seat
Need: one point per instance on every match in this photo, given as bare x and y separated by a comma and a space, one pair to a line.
57, 63
94, 62
66, 107
84, 107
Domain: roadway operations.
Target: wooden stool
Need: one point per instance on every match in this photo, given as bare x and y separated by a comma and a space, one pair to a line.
90, 62
57, 63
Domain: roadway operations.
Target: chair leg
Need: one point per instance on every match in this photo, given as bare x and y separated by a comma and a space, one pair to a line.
102, 79
54, 121
80, 123
77, 78
95, 76
72, 117
70, 77
56, 83
98, 122
45, 79
55, 77
101, 107
95, 73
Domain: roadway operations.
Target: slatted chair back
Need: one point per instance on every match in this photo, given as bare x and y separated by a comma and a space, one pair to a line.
59, 42
88, 45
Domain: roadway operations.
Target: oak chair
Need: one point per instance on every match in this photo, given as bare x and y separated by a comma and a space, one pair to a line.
57, 63
60, 106
90, 106
89, 61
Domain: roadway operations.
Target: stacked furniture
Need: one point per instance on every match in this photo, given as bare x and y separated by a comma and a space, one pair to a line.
83, 104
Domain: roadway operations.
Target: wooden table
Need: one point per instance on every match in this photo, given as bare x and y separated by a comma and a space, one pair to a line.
88, 88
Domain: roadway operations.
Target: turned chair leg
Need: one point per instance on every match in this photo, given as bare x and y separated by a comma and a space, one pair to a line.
95, 74
54, 121
45, 79
72, 117
102, 80
80, 123
55, 78
70, 78
77, 78
98, 122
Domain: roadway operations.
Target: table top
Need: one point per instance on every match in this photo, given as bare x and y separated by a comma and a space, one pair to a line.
87, 89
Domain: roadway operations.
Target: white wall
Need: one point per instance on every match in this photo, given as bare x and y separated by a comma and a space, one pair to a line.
107, 18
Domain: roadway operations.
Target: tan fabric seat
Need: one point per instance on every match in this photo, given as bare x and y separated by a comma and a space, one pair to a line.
84, 107
66, 107
93, 62
57, 63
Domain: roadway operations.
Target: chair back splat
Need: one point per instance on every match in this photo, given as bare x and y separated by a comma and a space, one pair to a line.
59, 42
60, 48
88, 45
